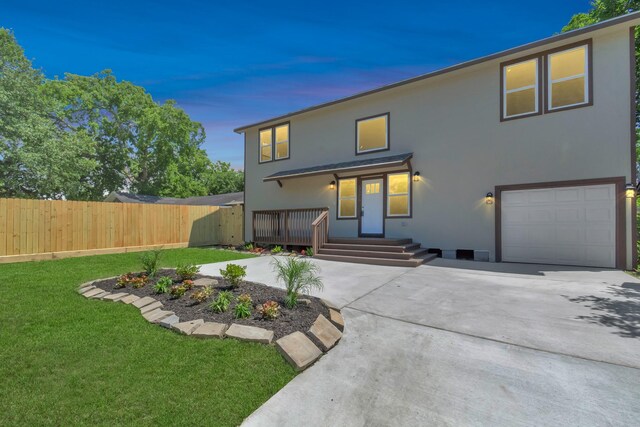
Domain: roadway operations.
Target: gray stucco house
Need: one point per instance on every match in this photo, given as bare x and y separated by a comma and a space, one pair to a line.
525, 155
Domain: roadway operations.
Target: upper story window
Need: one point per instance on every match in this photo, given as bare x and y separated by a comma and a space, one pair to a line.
274, 143
568, 78
520, 92
372, 134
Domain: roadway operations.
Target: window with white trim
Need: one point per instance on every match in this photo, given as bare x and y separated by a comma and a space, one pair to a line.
568, 74
347, 198
520, 89
398, 194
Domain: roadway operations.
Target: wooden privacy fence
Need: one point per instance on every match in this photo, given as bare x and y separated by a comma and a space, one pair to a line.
45, 229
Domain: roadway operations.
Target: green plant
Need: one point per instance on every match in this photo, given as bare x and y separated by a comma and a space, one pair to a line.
248, 247
269, 310
309, 251
176, 291
150, 261
187, 284
187, 271
242, 309
202, 294
222, 302
276, 249
298, 276
123, 280
163, 285
234, 273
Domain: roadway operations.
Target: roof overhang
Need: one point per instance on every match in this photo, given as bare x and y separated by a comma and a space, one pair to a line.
388, 162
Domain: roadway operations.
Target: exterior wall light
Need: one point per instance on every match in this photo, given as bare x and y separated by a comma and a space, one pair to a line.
416, 176
489, 198
630, 191
332, 185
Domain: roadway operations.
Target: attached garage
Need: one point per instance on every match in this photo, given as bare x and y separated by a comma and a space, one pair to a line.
561, 223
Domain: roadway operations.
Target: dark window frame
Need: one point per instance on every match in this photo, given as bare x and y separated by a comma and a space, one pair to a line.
272, 128
375, 150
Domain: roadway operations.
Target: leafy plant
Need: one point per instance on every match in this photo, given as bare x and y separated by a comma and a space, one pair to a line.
248, 247
309, 251
188, 284
270, 310
150, 261
202, 294
123, 280
187, 271
139, 282
222, 302
163, 285
242, 309
276, 249
299, 276
234, 273
176, 291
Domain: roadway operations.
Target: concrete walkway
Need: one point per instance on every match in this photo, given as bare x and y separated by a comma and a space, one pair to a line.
464, 343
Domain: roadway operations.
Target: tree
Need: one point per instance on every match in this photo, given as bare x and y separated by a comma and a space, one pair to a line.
223, 179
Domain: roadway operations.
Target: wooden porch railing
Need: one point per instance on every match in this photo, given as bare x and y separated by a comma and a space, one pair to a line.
285, 226
320, 231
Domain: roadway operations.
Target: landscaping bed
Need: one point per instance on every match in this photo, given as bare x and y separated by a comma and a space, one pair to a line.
288, 320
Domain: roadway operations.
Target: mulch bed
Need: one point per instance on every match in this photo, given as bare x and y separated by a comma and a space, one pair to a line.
299, 319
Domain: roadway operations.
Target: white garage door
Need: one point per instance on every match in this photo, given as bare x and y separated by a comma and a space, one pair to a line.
564, 225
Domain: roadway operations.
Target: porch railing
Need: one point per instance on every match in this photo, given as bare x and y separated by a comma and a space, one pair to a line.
285, 226
320, 231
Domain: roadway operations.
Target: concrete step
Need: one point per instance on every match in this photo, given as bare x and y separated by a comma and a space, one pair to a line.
411, 262
374, 254
406, 247
369, 241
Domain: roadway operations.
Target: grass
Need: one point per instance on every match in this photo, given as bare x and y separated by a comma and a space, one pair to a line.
66, 360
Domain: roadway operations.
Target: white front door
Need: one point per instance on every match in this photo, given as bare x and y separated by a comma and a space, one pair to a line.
372, 213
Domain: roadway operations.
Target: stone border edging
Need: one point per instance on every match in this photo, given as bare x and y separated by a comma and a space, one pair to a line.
297, 348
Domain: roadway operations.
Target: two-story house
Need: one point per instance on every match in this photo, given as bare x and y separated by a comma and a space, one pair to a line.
526, 155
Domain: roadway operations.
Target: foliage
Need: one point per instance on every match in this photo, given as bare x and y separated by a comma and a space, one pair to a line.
248, 247
309, 251
162, 285
242, 309
187, 271
221, 178
202, 295
276, 249
188, 284
234, 273
222, 302
131, 279
299, 276
177, 291
269, 310
150, 261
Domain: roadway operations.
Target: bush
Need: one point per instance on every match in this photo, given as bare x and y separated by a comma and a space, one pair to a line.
202, 295
276, 249
187, 284
222, 302
242, 309
187, 271
131, 279
298, 276
248, 247
163, 285
234, 273
270, 310
150, 261
176, 291
309, 251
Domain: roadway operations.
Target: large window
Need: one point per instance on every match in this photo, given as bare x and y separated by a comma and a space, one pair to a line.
347, 198
520, 91
568, 78
274, 143
372, 134
398, 194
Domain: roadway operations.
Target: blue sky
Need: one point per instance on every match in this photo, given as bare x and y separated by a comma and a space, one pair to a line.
235, 62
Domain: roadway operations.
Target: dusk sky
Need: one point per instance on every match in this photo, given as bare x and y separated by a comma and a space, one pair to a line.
232, 63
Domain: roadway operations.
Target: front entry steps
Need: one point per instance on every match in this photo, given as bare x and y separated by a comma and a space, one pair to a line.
377, 251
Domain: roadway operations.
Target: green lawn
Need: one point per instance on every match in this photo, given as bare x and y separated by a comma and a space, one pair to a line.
66, 360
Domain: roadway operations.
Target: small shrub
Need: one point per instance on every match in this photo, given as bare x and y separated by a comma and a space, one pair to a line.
276, 249
299, 276
163, 285
202, 294
270, 310
150, 261
187, 271
139, 282
188, 284
123, 280
222, 302
309, 251
248, 247
176, 291
234, 273
242, 309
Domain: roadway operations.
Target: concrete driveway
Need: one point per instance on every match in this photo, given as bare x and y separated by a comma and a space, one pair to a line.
465, 343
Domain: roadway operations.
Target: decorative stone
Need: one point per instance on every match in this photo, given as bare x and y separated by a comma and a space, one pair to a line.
143, 301
168, 322
106, 295
204, 282
85, 288
249, 333
210, 330
100, 295
325, 332
298, 350
305, 301
157, 315
150, 307
92, 292
115, 297
129, 299
329, 304
187, 328
337, 319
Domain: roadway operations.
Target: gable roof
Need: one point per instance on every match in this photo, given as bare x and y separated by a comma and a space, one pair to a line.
214, 200
558, 37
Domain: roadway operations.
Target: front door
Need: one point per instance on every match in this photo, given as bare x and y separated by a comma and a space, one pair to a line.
372, 211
